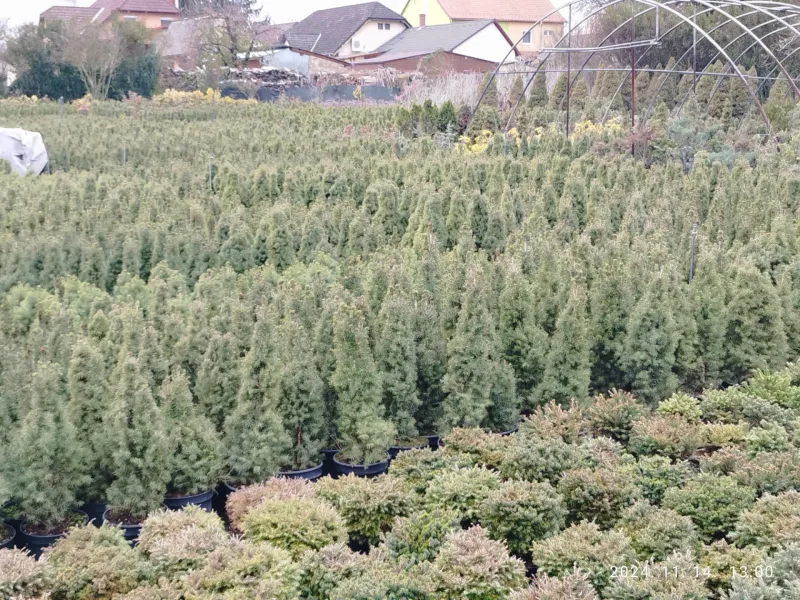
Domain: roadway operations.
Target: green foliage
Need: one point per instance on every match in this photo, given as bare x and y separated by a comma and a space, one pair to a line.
245, 499
657, 533
614, 415
713, 502
462, 491
418, 467
772, 522
558, 92
295, 525
575, 585
484, 449
654, 475
722, 561
21, 575
676, 577
418, 537
597, 495
682, 406
670, 436
538, 459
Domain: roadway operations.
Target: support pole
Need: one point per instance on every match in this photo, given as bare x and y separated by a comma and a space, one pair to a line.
694, 49
691, 257
569, 65
633, 85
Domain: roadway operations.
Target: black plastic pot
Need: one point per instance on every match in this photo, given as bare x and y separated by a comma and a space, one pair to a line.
395, 450
8, 543
372, 470
433, 441
130, 531
95, 511
507, 433
203, 500
328, 466
37, 543
311, 474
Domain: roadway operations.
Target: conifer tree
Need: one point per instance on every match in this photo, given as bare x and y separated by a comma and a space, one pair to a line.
219, 379
558, 92
719, 98
45, 467
364, 433
397, 361
195, 453
650, 344
779, 105
517, 91
490, 98
755, 337
566, 374
741, 101
87, 385
280, 239
706, 83
137, 442
457, 216
470, 357
669, 85
579, 93
538, 97
504, 409
298, 394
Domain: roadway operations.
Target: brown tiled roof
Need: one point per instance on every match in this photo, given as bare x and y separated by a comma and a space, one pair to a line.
162, 7
524, 11
68, 13
273, 34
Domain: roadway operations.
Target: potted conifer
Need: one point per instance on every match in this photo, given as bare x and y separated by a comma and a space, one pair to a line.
44, 466
364, 435
7, 532
195, 456
138, 450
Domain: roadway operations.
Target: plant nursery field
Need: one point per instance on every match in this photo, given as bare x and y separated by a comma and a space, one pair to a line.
202, 295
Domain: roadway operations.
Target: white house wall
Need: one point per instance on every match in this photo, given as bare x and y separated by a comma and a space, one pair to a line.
488, 44
371, 37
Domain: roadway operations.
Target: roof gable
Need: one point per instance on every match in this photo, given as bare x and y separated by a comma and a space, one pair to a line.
109, 7
325, 31
521, 11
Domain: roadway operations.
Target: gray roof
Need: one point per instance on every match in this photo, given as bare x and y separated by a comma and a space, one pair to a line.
325, 31
426, 40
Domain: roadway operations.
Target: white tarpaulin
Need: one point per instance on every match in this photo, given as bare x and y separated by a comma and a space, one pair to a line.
24, 150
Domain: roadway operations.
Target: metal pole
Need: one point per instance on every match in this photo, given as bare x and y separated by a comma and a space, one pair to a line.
569, 65
691, 258
211, 172
124, 155
633, 85
694, 48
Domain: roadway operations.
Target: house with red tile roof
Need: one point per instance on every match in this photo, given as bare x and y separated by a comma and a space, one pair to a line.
514, 16
153, 14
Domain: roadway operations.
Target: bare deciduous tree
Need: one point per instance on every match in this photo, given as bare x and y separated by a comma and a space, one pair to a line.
96, 51
227, 31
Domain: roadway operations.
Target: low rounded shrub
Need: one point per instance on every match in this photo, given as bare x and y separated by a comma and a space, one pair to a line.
674, 578
418, 467
681, 405
766, 472
597, 495
723, 406
295, 525
613, 415
368, 506
483, 448
713, 502
462, 491
583, 546
522, 513
551, 420
418, 537
92, 563
377, 577
21, 576
656, 533
470, 565
670, 436
772, 522
722, 559
575, 586
654, 475
775, 386
322, 571
603, 452
241, 569
770, 437
240, 502
723, 434
539, 459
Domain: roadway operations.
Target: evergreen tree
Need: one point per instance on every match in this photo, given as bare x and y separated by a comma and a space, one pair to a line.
397, 361
779, 105
579, 93
137, 442
558, 92
719, 98
706, 83
650, 344
87, 386
755, 337
195, 454
470, 357
669, 85
490, 98
504, 410
517, 91
364, 433
45, 469
219, 379
538, 97
566, 374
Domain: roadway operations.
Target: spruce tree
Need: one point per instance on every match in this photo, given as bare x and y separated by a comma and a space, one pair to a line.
364, 434
490, 98
669, 85
650, 344
219, 378
741, 101
504, 409
538, 97
195, 453
45, 467
566, 374
397, 360
87, 385
579, 93
779, 105
517, 91
719, 98
137, 441
470, 357
558, 92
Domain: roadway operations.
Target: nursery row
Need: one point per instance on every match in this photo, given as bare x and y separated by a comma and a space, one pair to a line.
696, 499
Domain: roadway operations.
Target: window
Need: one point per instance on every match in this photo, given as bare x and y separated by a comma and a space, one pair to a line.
166, 22
384, 26
380, 26
526, 39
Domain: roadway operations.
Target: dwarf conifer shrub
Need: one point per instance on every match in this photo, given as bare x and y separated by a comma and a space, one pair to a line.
538, 459
552, 420
245, 499
195, 457
713, 502
670, 436
585, 547
45, 467
575, 586
295, 525
418, 467
775, 387
418, 537
613, 415
654, 475
603, 452
521, 513
723, 434
469, 563
773, 521
722, 560
770, 437
322, 571
376, 577
597, 495
369, 507
485, 449
675, 577
21, 575
137, 442
681, 405
656, 533
462, 490
94, 563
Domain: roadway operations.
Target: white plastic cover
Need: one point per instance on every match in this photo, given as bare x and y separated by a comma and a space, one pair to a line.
24, 150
